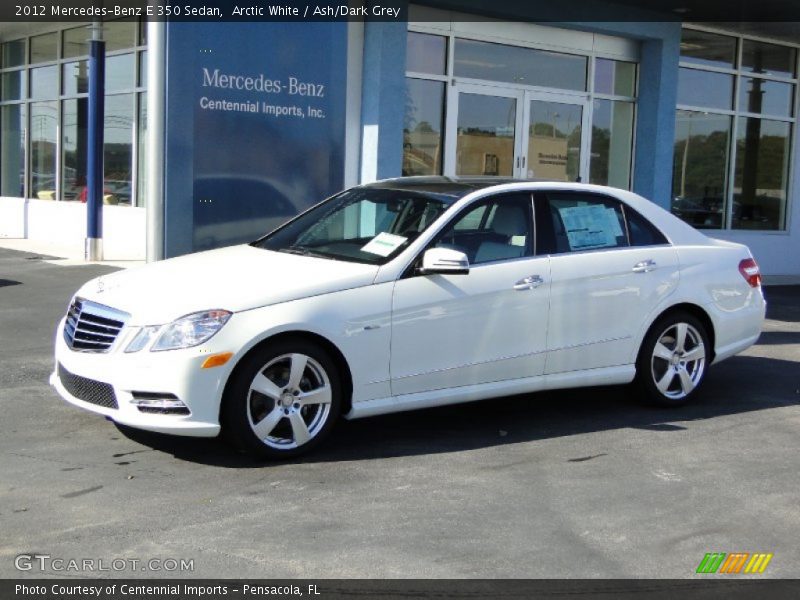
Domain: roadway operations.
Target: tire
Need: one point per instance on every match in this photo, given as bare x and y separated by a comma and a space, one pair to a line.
672, 360
283, 401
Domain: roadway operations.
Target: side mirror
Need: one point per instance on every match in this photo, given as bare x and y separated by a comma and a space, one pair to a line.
444, 261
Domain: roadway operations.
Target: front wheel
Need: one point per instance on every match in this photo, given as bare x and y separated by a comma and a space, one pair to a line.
672, 360
284, 400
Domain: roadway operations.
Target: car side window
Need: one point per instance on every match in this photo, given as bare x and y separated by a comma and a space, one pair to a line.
472, 220
583, 222
642, 232
497, 229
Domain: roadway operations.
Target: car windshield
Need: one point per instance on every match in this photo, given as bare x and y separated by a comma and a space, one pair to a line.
367, 225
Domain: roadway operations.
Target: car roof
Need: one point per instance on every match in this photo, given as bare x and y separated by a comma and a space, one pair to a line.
444, 188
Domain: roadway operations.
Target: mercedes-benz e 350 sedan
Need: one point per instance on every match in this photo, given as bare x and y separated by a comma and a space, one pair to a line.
409, 293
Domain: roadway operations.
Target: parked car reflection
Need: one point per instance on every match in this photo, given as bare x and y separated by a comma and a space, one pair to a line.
230, 209
702, 212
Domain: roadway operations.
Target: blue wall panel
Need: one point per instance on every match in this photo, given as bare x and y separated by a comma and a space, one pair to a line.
383, 98
254, 127
658, 91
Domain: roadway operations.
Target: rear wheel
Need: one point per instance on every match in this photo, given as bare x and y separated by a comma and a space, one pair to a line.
672, 360
284, 400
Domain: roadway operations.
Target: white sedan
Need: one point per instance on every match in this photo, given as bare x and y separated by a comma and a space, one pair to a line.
409, 293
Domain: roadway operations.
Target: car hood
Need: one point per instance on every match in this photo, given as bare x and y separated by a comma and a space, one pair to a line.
235, 278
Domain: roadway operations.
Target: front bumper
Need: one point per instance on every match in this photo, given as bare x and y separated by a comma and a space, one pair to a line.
173, 372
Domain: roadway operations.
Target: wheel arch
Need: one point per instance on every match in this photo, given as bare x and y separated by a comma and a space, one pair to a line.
336, 355
696, 311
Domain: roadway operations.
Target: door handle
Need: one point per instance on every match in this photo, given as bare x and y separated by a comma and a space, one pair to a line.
529, 283
645, 266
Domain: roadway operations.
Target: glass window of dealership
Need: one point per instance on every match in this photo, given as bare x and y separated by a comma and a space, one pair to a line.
44, 114
502, 109
479, 107
733, 131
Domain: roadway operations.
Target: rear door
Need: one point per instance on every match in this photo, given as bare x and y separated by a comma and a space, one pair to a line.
609, 267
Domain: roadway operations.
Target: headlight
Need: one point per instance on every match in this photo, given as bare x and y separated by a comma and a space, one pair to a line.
144, 337
191, 330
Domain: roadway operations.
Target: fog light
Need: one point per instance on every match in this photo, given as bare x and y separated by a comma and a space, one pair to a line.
154, 402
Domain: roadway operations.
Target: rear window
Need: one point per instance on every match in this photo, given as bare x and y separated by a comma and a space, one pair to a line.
642, 232
586, 222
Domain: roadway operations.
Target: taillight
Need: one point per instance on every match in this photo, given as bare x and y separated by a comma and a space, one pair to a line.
750, 271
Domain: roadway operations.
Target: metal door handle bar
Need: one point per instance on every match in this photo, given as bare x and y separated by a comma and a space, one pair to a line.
645, 266
529, 283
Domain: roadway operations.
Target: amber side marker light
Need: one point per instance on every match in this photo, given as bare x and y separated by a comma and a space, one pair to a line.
216, 360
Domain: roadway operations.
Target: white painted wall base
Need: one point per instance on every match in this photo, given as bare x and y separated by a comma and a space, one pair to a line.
777, 253
65, 223
12, 217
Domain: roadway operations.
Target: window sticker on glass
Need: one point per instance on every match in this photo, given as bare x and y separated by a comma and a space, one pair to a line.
613, 222
383, 244
587, 227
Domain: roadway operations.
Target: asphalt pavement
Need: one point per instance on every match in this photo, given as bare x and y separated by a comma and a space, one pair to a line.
579, 483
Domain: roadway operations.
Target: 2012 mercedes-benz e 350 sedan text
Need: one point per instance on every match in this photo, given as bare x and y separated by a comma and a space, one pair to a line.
409, 293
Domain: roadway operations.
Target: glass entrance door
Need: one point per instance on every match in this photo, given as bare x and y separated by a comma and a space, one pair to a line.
554, 140
488, 123
498, 131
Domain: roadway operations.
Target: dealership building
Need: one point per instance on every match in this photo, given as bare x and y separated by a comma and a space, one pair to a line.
214, 132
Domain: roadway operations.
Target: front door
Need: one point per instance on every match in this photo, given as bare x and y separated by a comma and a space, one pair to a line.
554, 145
509, 132
487, 124
489, 325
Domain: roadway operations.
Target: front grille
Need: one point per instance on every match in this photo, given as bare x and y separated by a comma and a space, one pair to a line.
92, 327
88, 390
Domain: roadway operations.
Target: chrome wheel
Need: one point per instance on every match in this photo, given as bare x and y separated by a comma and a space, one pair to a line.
289, 401
678, 360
